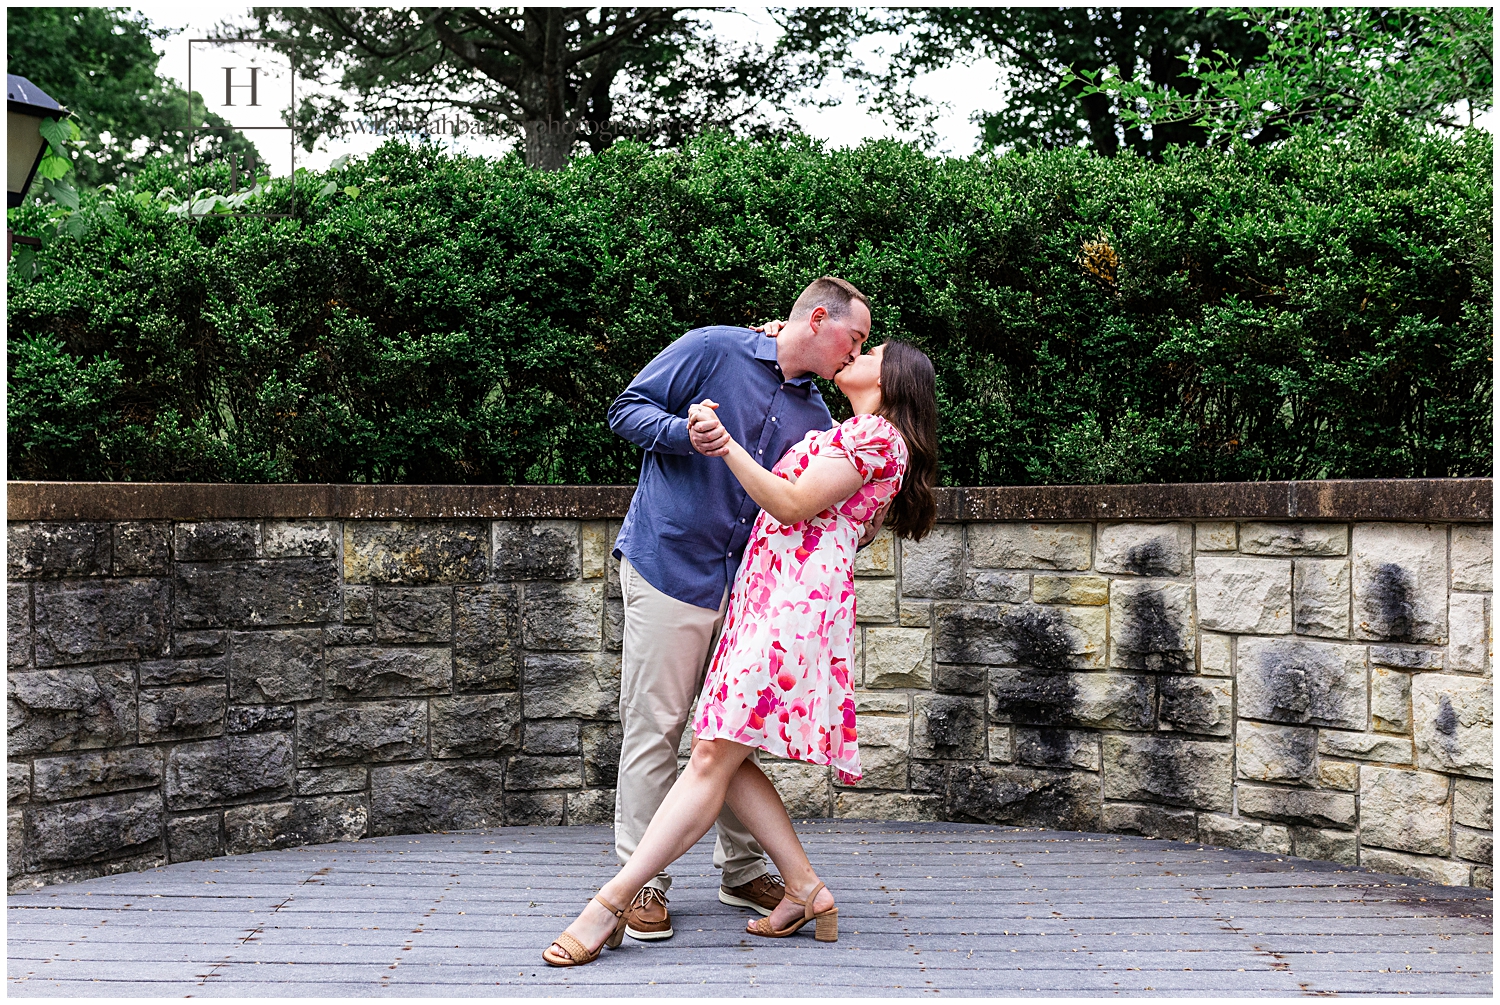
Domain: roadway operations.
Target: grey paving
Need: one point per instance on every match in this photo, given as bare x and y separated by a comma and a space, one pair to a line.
925, 909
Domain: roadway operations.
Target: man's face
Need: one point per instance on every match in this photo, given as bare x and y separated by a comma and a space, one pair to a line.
837, 341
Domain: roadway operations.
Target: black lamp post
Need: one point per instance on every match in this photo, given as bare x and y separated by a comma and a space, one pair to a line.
26, 106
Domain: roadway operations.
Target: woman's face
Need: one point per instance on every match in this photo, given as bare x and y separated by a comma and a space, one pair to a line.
861, 375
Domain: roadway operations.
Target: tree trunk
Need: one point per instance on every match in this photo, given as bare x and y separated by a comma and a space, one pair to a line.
549, 143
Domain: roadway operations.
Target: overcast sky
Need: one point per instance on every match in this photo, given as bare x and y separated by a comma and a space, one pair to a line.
960, 90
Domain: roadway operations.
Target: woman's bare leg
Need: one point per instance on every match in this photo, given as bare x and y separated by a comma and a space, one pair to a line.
756, 802
690, 809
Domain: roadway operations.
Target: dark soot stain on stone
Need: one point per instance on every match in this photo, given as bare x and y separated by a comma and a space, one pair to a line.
1291, 693
1392, 593
1152, 634
951, 723
1148, 559
1039, 699
1039, 638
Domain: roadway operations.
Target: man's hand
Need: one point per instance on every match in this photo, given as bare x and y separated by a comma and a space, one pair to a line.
706, 433
873, 527
770, 329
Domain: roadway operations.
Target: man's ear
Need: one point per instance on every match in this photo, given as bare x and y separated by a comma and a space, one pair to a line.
816, 318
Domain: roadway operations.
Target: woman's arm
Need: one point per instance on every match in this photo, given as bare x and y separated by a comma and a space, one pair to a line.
827, 480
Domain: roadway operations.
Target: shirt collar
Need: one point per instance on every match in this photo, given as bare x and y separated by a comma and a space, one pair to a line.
765, 351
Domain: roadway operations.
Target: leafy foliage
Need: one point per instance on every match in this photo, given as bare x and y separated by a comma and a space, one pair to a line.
1301, 310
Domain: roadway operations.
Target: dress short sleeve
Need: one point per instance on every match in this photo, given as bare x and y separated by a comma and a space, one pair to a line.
878, 452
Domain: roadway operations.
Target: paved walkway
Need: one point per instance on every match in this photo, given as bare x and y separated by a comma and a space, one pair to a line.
926, 909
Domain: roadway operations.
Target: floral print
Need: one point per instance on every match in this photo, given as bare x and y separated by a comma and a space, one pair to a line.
780, 675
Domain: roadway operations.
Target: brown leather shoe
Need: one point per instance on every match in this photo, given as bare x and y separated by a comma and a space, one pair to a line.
647, 918
761, 894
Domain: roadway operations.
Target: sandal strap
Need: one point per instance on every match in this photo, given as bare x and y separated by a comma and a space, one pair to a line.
577, 951
612, 909
807, 908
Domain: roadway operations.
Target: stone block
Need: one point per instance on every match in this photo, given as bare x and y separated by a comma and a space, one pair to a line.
1471, 556
1050, 698
1196, 704
50, 550
1078, 591
897, 806
572, 686
141, 549
17, 783
1294, 539
1395, 863
410, 553
1245, 595
70, 708
1290, 680
534, 809
94, 622
319, 820
593, 806
96, 772
1469, 622
1276, 753
878, 558
182, 713
364, 731
879, 703
1166, 769
1474, 803
875, 600
1216, 535
563, 616
437, 795
17, 626
932, 567
1340, 775
1406, 658
1365, 746
594, 555
1145, 549
1030, 545
1297, 806
487, 650
614, 625
359, 605
601, 753
1390, 699
1151, 626
284, 591
1036, 797
327, 781
552, 736
198, 645
928, 776
1215, 655
383, 672
898, 657
1150, 821
915, 615
1475, 846
1454, 723
215, 540
803, 787
884, 749
228, 769
1484, 877
1041, 747
1026, 635
260, 718
275, 666
999, 745
1327, 845
476, 725
348, 635
163, 673
537, 549
1223, 831
522, 773
15, 842
957, 679
993, 586
947, 726
1321, 597
300, 539
195, 837
65, 834
419, 614
1400, 582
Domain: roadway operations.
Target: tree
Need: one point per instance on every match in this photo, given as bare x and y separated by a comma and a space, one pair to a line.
1322, 66
553, 75
1041, 49
101, 64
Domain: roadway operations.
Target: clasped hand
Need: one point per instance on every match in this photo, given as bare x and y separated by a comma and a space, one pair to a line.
706, 433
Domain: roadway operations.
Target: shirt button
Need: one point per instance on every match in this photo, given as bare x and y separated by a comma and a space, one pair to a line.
742, 519
760, 451
773, 418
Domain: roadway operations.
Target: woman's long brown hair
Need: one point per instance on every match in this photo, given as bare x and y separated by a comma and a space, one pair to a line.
908, 391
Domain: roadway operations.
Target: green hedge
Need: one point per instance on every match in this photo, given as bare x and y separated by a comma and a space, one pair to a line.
1313, 310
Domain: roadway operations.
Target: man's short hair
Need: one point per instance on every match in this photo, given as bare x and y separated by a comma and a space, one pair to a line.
832, 294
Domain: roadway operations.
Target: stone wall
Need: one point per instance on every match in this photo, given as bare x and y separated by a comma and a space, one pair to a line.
186, 688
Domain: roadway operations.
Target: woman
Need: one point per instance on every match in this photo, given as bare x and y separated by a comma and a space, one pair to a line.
780, 676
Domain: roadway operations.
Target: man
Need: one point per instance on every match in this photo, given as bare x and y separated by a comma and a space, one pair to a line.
681, 544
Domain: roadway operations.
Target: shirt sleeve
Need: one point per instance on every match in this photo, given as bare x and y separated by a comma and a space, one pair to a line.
652, 411
871, 444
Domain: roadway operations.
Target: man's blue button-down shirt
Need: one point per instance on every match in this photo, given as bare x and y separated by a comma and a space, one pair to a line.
690, 519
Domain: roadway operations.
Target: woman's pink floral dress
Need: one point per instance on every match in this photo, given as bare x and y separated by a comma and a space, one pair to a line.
780, 676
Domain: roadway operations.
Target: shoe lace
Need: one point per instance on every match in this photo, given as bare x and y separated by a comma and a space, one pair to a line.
774, 882
648, 894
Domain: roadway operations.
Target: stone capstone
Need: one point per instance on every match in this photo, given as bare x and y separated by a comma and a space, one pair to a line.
1293, 681
1454, 723
436, 795
1400, 582
95, 622
1146, 549
275, 666
228, 769
1166, 769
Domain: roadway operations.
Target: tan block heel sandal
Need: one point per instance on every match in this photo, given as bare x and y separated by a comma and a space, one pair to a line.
577, 953
825, 923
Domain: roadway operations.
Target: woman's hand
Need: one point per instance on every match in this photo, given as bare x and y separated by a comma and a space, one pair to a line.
770, 329
705, 432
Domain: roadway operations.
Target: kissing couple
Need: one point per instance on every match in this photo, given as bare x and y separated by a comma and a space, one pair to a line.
742, 458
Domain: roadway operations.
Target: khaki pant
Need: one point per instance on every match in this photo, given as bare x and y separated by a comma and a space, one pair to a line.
667, 647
